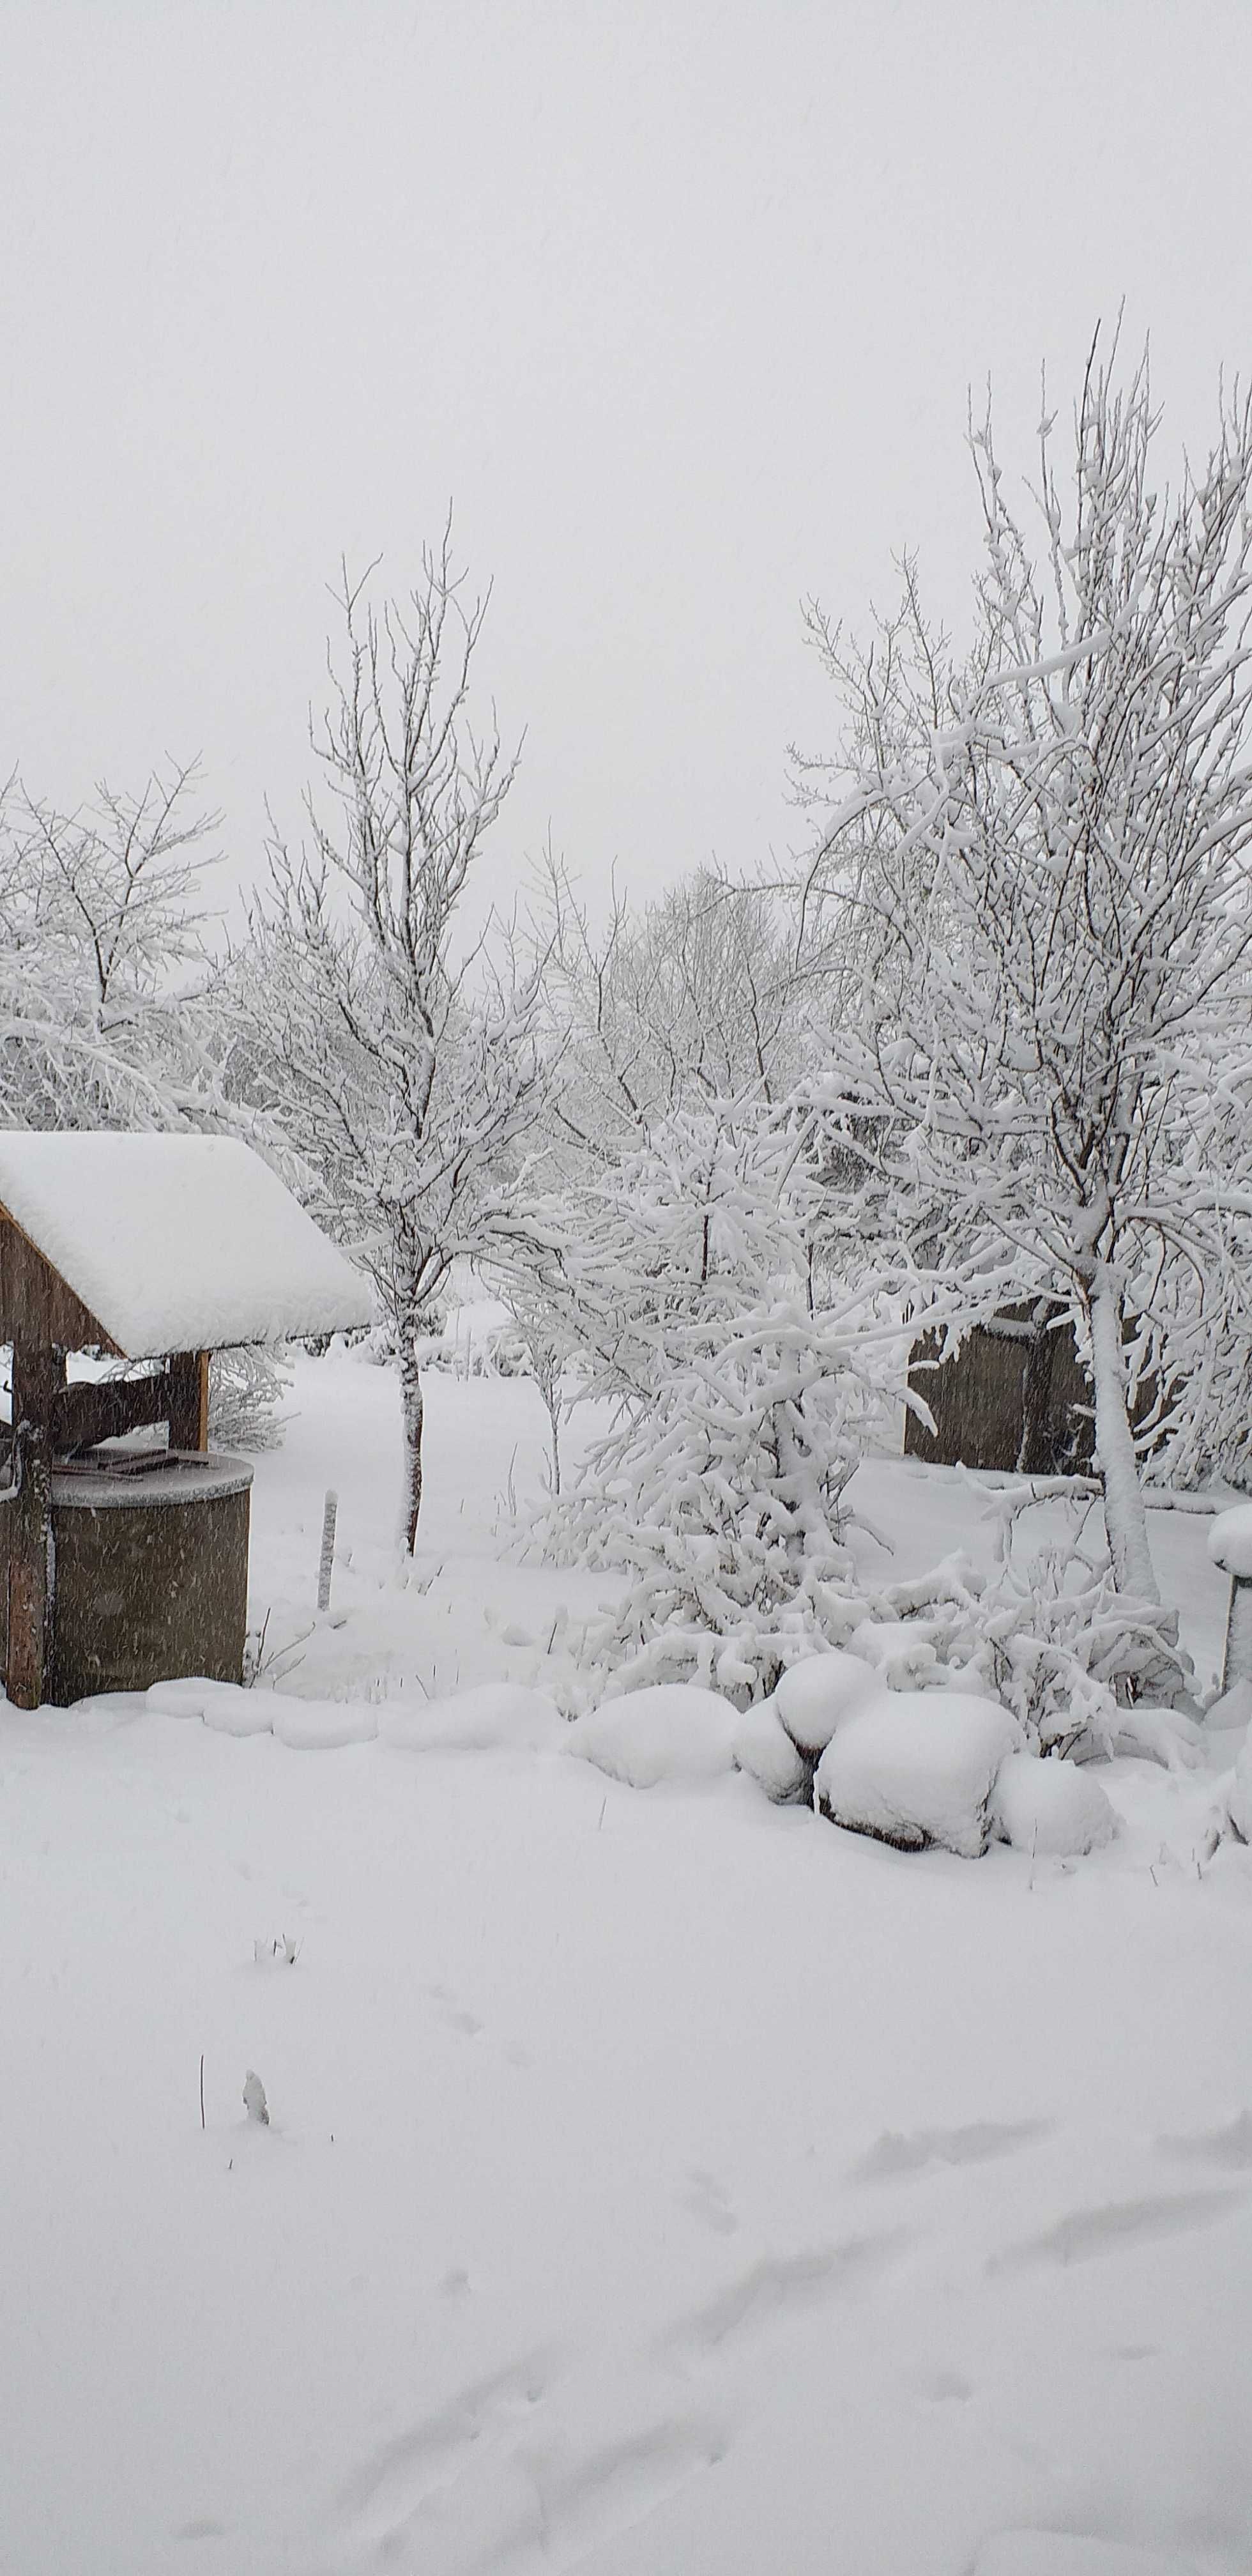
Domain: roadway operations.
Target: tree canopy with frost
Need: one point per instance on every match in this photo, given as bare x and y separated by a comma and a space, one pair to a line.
108, 990
405, 1067
1039, 1079
693, 1297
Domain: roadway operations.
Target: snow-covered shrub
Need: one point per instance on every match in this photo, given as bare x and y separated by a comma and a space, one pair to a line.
918, 1767
674, 1731
812, 1696
701, 1310
246, 1388
1049, 1636
1050, 1808
724, 1503
1239, 1801
763, 1748
488, 1717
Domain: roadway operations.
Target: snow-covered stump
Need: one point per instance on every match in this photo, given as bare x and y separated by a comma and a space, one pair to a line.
1230, 1546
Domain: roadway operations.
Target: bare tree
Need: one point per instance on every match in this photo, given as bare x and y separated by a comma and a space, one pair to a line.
1041, 856
108, 991
404, 1065
696, 998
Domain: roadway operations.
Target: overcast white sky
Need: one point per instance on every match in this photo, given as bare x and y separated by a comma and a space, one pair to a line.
678, 301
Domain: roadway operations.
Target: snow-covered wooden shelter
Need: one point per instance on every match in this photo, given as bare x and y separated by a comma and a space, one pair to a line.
123, 1565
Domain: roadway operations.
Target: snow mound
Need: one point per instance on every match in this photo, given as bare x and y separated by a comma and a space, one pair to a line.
918, 1767
491, 1717
1050, 1807
1239, 1802
322, 1725
1164, 1735
1061, 2553
813, 1695
671, 1731
763, 1749
221, 1705
1230, 1541
306, 1725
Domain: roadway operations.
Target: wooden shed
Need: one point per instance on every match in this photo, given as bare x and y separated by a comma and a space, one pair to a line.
1015, 1396
123, 1561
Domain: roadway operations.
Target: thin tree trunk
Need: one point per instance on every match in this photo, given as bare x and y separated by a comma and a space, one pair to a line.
1036, 1456
1125, 1518
411, 1408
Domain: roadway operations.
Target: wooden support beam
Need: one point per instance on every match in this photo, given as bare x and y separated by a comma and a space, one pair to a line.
189, 1400
90, 1411
38, 1380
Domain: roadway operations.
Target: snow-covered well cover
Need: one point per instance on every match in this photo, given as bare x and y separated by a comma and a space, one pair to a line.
178, 1243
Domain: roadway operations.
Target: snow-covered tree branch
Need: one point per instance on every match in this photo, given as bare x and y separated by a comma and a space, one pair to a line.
1039, 1077
404, 1063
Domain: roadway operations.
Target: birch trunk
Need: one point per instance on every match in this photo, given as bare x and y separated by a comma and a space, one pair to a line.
1125, 1518
411, 1411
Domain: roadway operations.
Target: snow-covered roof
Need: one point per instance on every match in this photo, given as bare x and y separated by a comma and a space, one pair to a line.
177, 1243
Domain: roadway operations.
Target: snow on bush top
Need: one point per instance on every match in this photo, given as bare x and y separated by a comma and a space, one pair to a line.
177, 1243
1050, 1807
672, 1731
918, 1767
1230, 1540
813, 1694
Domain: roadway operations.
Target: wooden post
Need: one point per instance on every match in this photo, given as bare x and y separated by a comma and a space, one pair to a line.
38, 1379
189, 1400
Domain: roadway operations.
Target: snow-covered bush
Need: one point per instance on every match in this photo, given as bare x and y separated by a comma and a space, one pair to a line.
675, 1731
699, 1307
1050, 1808
1035, 856
246, 1389
723, 1501
763, 1748
918, 1767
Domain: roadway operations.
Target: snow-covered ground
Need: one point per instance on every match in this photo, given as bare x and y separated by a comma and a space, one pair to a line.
657, 2184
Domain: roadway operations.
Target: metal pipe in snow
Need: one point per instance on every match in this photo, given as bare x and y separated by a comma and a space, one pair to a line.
326, 1559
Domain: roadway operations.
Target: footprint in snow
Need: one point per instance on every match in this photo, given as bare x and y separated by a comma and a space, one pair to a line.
944, 2387
893, 2156
708, 2200
1086, 2233
781, 2286
1230, 2147
388, 2490
610, 2492
452, 2012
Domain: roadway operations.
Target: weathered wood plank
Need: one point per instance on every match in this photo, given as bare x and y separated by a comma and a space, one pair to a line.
36, 1304
189, 1400
82, 1414
38, 1379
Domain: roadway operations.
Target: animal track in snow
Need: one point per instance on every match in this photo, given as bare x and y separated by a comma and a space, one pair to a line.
942, 2386
893, 2156
708, 2199
452, 2012
1230, 2147
385, 2492
611, 2491
782, 2284
1086, 2233
491, 2478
